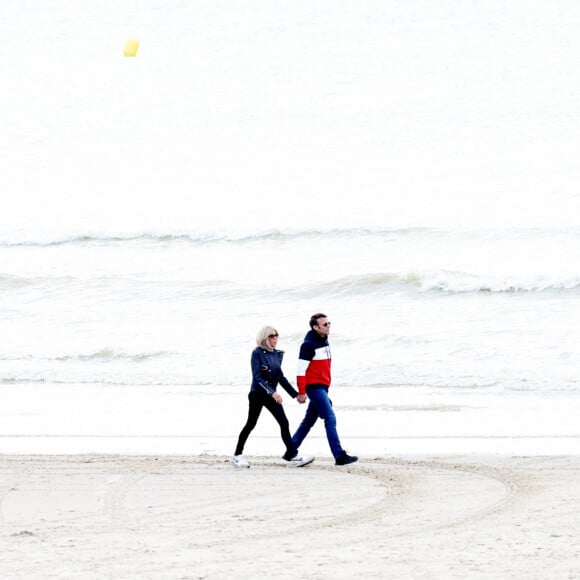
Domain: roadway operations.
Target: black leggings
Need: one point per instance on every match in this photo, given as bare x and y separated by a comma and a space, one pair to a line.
257, 401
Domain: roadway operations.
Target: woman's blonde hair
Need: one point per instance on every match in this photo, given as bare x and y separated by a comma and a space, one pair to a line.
262, 338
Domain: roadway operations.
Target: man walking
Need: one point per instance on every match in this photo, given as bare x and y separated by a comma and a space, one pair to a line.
313, 380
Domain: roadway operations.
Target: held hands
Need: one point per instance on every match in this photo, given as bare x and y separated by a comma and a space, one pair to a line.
278, 398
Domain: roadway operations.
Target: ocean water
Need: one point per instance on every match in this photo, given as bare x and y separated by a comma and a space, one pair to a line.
413, 307
407, 168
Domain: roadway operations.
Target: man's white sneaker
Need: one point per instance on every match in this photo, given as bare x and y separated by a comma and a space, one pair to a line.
239, 461
301, 460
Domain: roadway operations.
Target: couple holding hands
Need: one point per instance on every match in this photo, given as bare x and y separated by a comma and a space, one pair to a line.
313, 379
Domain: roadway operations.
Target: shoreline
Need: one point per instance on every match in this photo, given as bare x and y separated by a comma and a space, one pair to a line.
182, 420
261, 446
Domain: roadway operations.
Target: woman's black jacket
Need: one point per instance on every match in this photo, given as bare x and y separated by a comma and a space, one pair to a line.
267, 372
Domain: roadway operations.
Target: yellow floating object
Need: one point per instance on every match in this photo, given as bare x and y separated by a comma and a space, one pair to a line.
131, 47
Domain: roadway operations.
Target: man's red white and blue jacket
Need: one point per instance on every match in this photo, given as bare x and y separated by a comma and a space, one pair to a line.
313, 363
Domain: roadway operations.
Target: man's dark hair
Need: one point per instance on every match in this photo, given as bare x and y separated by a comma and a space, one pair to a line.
314, 319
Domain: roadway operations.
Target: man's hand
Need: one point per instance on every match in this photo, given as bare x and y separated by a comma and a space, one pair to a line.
301, 399
277, 397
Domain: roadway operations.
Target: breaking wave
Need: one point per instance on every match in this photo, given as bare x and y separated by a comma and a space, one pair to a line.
279, 235
274, 235
103, 355
446, 281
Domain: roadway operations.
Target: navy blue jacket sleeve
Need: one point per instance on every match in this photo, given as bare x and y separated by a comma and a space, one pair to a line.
288, 387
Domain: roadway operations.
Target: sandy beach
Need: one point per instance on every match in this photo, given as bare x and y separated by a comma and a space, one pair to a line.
111, 516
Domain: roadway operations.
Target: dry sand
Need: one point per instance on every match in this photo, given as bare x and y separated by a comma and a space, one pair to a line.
197, 517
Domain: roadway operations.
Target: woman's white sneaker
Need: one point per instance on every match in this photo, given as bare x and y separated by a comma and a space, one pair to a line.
301, 460
239, 461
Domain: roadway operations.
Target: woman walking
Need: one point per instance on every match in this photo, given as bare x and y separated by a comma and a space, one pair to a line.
266, 374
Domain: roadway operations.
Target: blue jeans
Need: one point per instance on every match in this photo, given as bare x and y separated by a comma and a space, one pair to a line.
319, 406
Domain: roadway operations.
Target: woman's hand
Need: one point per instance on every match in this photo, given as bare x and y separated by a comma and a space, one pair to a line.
301, 398
277, 397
